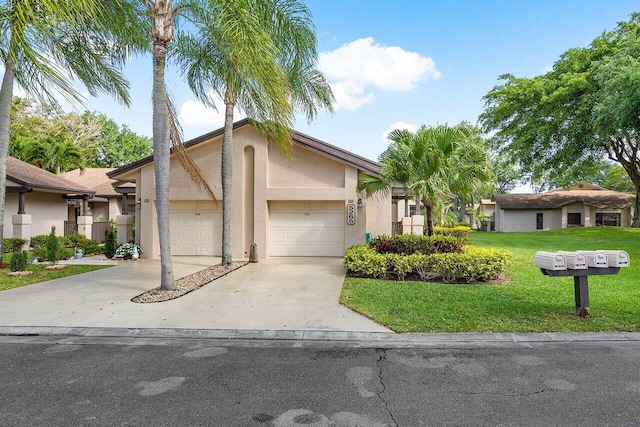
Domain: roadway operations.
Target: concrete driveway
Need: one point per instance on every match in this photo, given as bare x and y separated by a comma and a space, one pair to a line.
274, 294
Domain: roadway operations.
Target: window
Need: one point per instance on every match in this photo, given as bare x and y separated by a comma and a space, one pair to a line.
610, 219
539, 224
574, 219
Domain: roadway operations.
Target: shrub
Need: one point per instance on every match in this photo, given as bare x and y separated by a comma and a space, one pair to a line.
37, 242
408, 244
363, 260
88, 246
71, 241
53, 246
18, 261
474, 265
460, 231
126, 250
12, 244
110, 244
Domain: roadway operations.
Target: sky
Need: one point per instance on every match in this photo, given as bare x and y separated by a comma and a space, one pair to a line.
403, 63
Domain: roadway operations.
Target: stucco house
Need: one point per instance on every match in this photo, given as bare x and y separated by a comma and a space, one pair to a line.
305, 206
36, 200
582, 205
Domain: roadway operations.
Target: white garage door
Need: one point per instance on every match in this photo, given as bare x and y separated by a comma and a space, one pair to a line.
196, 228
306, 229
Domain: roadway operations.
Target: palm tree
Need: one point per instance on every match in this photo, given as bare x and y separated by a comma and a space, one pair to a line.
259, 56
43, 42
54, 155
424, 164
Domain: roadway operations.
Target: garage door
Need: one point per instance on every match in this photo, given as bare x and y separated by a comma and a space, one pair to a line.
306, 229
196, 228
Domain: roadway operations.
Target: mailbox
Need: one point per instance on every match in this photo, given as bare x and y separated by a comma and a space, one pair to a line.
596, 259
575, 260
550, 261
617, 258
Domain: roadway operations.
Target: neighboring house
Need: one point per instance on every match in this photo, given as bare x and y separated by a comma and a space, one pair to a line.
37, 199
306, 206
582, 205
111, 199
108, 200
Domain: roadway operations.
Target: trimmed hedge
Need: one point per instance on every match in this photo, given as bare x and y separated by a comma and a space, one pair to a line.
460, 231
67, 244
409, 244
474, 265
12, 244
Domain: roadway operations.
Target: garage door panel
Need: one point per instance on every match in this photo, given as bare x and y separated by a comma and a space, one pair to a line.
196, 228
306, 229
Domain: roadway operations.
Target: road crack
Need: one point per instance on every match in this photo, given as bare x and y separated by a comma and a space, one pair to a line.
383, 387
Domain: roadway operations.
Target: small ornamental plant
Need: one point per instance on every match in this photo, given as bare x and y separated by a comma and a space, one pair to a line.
53, 246
110, 244
128, 251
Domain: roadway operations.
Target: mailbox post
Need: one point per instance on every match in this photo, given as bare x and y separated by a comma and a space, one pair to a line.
581, 265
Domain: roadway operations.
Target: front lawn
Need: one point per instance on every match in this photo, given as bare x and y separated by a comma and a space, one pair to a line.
530, 302
42, 275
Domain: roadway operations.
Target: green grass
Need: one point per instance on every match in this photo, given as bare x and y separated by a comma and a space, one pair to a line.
529, 302
42, 275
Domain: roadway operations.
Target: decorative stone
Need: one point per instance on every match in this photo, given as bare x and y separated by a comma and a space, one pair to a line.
20, 273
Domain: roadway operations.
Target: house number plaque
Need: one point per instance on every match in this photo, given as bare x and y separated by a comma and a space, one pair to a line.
351, 214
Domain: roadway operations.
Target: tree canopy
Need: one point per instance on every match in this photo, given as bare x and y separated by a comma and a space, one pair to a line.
582, 111
434, 164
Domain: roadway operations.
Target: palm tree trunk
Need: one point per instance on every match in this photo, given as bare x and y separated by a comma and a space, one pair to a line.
406, 202
429, 209
6, 95
226, 171
161, 162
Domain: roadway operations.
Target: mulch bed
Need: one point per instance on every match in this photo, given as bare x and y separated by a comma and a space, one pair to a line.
189, 283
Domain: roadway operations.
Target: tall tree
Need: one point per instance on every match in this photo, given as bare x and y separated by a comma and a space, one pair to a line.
583, 110
437, 161
54, 155
258, 56
43, 42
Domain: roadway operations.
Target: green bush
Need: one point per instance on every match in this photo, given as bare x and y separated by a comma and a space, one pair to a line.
460, 231
408, 244
53, 246
110, 244
88, 246
474, 265
363, 260
18, 261
37, 242
12, 244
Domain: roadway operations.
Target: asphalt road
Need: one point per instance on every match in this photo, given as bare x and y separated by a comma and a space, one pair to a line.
178, 382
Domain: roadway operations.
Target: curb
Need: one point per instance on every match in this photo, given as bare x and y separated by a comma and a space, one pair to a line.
337, 338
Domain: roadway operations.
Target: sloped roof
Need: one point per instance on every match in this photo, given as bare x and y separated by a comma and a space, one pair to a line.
600, 199
299, 138
27, 175
94, 178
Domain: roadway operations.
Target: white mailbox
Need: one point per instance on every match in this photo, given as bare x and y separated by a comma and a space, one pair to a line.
575, 260
617, 258
550, 261
596, 259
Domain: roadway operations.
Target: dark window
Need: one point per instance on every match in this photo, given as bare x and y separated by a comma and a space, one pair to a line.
574, 219
610, 219
539, 225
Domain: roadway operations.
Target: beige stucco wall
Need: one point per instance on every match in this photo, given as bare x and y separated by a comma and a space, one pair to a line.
309, 176
46, 210
525, 220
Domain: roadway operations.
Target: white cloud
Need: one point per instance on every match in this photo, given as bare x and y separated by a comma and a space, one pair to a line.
197, 115
356, 68
398, 125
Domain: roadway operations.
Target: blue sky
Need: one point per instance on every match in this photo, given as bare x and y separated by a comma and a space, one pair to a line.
405, 63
